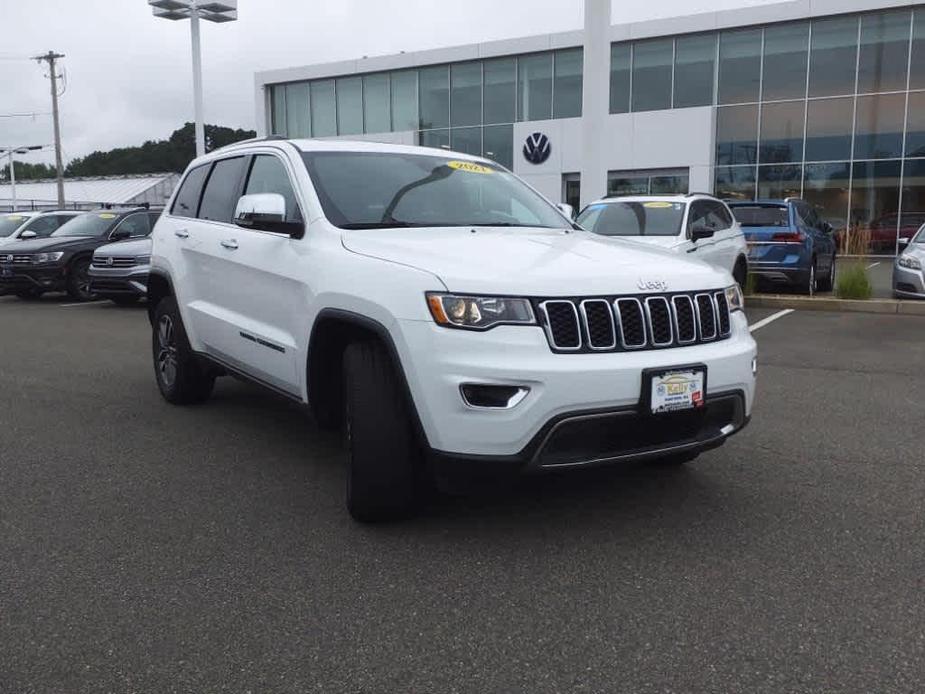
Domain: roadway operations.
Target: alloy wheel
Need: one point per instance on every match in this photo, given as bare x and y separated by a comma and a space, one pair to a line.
166, 352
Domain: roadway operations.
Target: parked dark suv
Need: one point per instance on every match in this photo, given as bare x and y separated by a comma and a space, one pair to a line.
61, 262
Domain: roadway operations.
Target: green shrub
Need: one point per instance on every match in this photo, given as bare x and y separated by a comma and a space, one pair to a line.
751, 285
852, 282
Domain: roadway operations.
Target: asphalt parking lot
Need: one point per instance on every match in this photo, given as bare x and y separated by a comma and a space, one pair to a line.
148, 548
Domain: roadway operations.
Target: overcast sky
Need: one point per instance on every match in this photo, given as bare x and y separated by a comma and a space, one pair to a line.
128, 74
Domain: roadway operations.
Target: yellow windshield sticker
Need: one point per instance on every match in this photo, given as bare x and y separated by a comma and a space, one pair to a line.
658, 204
469, 166
107, 215
15, 217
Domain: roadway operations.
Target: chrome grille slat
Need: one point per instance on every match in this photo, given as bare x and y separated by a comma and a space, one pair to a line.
600, 329
684, 319
15, 259
706, 316
632, 323
658, 313
722, 312
117, 261
563, 329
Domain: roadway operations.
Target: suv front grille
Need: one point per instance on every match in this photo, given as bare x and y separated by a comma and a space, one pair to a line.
113, 261
628, 323
19, 259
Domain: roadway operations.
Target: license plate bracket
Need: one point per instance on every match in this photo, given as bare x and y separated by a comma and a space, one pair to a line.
674, 389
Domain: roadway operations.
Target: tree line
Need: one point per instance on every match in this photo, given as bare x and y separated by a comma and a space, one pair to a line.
154, 156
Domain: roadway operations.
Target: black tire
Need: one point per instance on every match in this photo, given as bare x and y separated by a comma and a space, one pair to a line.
382, 451
827, 283
740, 273
128, 300
29, 293
810, 284
181, 377
78, 280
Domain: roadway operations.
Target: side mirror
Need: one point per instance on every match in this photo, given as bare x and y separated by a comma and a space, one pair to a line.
119, 235
827, 228
266, 212
28, 235
700, 231
903, 242
567, 210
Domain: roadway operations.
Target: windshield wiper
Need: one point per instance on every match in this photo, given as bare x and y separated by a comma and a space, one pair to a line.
382, 225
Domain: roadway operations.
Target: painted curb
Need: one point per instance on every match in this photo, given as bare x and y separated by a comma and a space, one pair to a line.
805, 303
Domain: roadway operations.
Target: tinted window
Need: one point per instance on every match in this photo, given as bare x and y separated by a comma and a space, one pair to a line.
435, 97
736, 134
405, 100
376, 117
828, 129
10, 223
153, 217
709, 214
323, 108
785, 50
349, 92
833, 56
43, 226
782, 131
693, 70
567, 88
221, 192
620, 77
735, 182
761, 216
879, 126
498, 144
884, 52
500, 90
90, 224
466, 94
187, 200
652, 74
135, 224
779, 181
298, 115
739, 65
268, 175
653, 218
534, 87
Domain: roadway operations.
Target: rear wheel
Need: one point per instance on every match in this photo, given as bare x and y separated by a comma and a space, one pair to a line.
181, 377
828, 282
740, 273
382, 450
78, 280
809, 284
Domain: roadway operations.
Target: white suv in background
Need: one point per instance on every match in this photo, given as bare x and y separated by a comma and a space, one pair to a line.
696, 224
22, 226
443, 312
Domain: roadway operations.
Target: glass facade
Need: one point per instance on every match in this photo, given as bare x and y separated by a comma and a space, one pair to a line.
648, 182
831, 109
469, 106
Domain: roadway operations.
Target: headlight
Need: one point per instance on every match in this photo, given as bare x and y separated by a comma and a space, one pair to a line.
143, 260
734, 298
479, 312
910, 262
47, 257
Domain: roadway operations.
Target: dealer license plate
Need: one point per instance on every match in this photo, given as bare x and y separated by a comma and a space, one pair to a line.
677, 389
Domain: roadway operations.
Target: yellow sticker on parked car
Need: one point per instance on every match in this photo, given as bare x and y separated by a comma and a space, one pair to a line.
107, 215
15, 217
469, 166
658, 204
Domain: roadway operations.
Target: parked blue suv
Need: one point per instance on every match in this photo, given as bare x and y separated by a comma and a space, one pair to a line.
788, 243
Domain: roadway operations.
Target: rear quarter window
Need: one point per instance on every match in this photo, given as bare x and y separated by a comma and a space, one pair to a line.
186, 203
761, 216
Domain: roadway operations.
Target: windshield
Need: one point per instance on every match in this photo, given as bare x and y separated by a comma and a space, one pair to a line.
651, 218
10, 223
90, 224
920, 237
375, 190
761, 215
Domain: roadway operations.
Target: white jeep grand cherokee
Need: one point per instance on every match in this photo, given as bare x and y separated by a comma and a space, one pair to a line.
443, 312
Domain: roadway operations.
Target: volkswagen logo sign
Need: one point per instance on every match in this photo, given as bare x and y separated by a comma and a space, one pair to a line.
537, 148
109, 260
9, 259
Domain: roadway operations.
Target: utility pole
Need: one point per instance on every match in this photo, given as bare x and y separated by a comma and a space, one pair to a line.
50, 58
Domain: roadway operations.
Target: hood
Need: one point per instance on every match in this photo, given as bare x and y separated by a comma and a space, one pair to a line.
129, 248
914, 249
50, 243
668, 242
533, 262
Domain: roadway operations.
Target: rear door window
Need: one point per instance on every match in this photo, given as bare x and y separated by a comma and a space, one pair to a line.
187, 200
43, 226
135, 224
222, 190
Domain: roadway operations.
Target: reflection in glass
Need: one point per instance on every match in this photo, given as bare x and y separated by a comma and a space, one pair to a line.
324, 111
785, 55
917, 65
828, 129
782, 132
620, 77
678, 184
736, 134
833, 56
278, 110
825, 187
498, 144
435, 138
627, 184
466, 94
884, 51
739, 65
468, 140
777, 181
349, 105
298, 114
879, 126
735, 182
693, 70
376, 103
913, 200
435, 97
534, 87
405, 100
652, 74
915, 125
874, 206
567, 91
500, 90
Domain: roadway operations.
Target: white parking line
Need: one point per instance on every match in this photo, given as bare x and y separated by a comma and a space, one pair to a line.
82, 303
872, 265
770, 319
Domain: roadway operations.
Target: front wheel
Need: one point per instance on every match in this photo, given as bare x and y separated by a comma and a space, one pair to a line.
181, 377
382, 450
828, 282
78, 280
809, 284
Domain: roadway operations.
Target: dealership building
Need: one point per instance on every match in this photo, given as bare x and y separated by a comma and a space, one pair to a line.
823, 99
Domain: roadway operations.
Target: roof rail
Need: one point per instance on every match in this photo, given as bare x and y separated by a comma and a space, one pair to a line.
697, 192
268, 138
794, 198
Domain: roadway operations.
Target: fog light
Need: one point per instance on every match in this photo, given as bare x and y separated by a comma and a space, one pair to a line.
493, 397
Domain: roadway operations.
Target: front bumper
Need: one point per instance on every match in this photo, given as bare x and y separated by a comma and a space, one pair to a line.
116, 282
908, 282
562, 388
45, 278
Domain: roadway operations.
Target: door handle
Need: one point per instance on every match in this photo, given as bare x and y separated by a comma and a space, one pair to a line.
181, 234
230, 244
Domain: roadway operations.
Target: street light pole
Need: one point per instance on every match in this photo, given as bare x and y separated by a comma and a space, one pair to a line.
194, 10
10, 152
